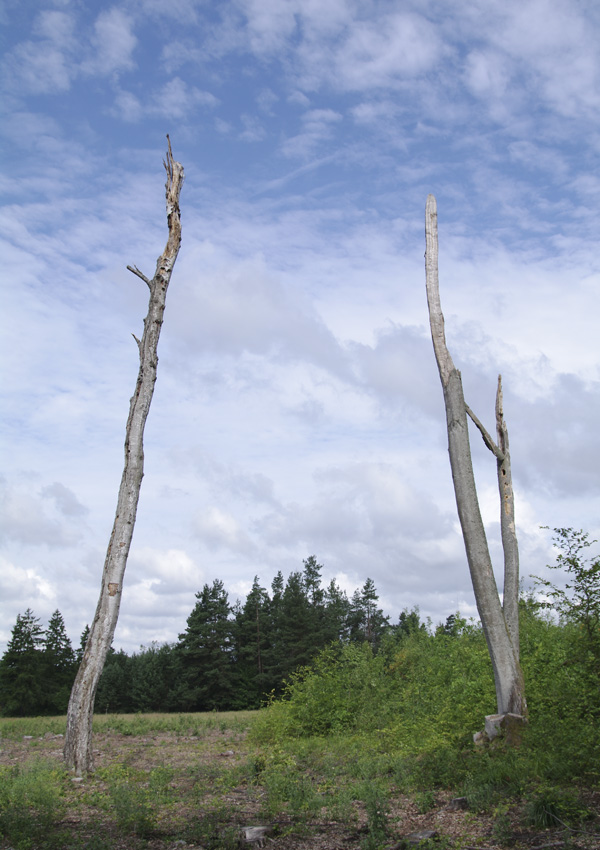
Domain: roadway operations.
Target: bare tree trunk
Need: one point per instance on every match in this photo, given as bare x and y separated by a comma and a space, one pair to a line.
510, 602
499, 635
78, 740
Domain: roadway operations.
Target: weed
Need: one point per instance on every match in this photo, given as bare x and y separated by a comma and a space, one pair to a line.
553, 807
340, 806
213, 830
130, 798
31, 802
502, 831
376, 802
425, 801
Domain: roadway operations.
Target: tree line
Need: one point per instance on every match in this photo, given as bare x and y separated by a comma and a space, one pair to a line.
229, 657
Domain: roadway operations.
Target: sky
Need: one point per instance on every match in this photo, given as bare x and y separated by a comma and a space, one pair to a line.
298, 410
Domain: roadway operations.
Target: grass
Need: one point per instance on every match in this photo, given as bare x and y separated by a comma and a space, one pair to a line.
201, 778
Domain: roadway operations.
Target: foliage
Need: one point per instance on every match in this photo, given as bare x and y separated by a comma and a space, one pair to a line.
551, 806
411, 711
342, 690
376, 800
579, 602
37, 669
59, 665
31, 802
21, 668
132, 801
228, 657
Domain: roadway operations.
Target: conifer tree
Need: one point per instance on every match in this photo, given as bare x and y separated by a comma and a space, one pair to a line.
59, 664
253, 648
337, 612
367, 622
22, 686
206, 652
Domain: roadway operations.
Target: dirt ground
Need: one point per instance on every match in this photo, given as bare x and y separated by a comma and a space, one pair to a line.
208, 808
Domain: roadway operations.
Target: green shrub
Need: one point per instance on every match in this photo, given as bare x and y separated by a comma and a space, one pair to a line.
31, 803
551, 807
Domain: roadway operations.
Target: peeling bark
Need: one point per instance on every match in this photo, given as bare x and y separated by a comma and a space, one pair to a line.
499, 626
78, 740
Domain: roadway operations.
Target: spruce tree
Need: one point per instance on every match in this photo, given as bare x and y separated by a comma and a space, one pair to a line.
154, 678
206, 653
22, 681
337, 608
253, 648
59, 664
367, 622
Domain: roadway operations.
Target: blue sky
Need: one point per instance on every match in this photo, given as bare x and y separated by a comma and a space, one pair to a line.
298, 409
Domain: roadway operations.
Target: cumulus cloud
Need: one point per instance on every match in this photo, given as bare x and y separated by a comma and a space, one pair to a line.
64, 498
25, 518
218, 529
241, 307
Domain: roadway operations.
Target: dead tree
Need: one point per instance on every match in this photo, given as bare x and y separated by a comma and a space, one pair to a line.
500, 621
78, 740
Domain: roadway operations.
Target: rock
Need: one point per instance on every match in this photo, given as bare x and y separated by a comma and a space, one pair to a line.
413, 839
227, 754
28, 737
457, 804
255, 835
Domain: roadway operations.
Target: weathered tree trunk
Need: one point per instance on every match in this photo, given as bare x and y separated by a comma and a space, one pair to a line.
78, 740
500, 626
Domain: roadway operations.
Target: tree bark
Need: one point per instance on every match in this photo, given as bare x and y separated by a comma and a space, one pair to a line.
78, 740
499, 636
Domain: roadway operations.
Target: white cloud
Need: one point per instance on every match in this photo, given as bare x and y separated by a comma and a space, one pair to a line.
218, 529
270, 23
32, 68
113, 43
178, 100
25, 518
253, 131
175, 100
171, 571
487, 74
297, 408
66, 501
379, 54
317, 126
128, 107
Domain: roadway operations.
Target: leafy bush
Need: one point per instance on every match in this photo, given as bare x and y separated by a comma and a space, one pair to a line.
31, 803
345, 689
410, 711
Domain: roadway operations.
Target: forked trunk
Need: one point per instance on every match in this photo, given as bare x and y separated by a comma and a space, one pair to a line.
500, 627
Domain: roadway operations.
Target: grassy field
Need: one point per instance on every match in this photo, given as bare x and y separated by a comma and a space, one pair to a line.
177, 782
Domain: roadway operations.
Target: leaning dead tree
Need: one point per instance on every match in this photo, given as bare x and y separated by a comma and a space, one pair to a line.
500, 621
78, 740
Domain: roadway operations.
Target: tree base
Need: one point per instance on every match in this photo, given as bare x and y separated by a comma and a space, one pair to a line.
508, 726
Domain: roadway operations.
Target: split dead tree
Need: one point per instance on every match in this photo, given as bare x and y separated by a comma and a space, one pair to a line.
78, 740
500, 621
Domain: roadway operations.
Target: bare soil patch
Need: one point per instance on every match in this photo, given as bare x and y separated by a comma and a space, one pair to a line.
206, 790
